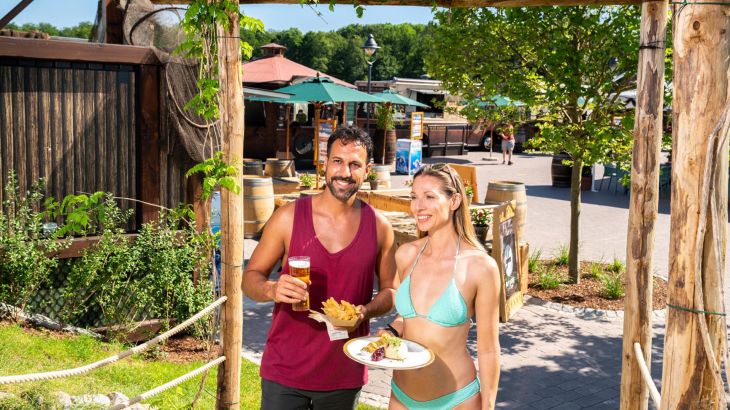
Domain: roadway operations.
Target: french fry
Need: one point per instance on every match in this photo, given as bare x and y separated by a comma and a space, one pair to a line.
340, 311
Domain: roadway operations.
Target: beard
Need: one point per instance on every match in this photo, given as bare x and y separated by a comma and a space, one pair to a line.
342, 194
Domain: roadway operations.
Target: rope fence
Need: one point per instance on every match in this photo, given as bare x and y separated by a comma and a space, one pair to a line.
157, 390
111, 359
646, 375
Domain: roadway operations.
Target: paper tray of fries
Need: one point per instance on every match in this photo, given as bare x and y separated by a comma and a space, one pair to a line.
343, 314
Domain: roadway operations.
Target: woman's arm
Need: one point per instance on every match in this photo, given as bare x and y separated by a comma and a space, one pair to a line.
486, 306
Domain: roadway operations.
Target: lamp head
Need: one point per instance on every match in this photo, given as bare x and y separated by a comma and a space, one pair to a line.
370, 46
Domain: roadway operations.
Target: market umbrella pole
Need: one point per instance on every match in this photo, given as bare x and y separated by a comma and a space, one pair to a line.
316, 145
288, 130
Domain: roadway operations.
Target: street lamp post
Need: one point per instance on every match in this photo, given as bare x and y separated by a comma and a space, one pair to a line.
370, 48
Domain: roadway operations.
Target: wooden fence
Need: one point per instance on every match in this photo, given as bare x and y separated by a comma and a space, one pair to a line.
72, 124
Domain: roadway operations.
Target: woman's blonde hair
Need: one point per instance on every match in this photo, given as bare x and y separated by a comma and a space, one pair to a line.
451, 184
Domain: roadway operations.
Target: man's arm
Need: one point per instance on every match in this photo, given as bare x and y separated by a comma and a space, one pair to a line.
382, 303
271, 249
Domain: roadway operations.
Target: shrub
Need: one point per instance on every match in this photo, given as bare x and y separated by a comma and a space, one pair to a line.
307, 180
613, 287
150, 277
549, 279
616, 266
24, 249
595, 270
533, 261
561, 256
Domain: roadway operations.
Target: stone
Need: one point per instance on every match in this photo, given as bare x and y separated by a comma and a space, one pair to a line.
118, 398
92, 400
64, 399
4, 396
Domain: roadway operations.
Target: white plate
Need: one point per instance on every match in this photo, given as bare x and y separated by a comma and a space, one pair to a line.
418, 355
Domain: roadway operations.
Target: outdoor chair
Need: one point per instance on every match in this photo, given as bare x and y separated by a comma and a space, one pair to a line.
665, 178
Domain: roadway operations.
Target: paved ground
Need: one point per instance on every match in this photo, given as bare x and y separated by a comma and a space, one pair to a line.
550, 358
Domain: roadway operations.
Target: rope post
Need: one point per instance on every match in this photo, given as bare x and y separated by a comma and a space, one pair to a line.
231, 117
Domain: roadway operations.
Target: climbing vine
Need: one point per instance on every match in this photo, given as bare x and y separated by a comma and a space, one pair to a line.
200, 25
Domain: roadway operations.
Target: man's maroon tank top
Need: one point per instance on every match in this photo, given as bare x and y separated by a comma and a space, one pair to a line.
298, 352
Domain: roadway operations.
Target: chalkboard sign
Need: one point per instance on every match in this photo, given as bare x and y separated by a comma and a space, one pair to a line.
506, 253
509, 257
324, 130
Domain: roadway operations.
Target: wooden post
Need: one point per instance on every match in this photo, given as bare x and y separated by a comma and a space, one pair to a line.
231, 111
644, 202
316, 143
694, 341
148, 136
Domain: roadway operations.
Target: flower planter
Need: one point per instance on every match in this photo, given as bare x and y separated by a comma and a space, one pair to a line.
482, 232
373, 185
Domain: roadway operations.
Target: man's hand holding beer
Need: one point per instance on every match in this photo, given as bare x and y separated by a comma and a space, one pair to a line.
289, 289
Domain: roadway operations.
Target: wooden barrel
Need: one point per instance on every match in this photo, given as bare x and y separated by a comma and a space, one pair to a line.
560, 173
383, 172
279, 167
258, 204
252, 167
501, 191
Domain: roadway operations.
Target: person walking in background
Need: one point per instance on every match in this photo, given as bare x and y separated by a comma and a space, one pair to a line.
446, 278
348, 245
508, 142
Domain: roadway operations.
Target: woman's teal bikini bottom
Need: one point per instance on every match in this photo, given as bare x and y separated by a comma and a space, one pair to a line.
445, 402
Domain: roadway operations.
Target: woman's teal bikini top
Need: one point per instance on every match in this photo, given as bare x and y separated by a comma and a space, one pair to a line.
449, 309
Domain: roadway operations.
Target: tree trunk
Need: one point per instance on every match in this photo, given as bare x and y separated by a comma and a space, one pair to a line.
695, 342
231, 111
573, 257
644, 204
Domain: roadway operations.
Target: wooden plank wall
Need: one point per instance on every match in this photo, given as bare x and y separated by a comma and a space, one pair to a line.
70, 123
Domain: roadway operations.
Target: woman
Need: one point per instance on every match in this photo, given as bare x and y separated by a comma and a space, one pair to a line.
446, 279
508, 142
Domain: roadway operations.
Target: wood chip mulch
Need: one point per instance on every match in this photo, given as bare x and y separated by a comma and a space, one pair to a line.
186, 349
588, 294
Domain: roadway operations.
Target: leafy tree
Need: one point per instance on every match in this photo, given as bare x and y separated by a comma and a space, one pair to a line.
568, 63
81, 30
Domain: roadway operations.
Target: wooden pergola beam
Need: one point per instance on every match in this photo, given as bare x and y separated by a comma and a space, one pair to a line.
446, 3
14, 12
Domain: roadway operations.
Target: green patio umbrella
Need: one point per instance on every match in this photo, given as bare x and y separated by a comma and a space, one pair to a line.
324, 90
395, 98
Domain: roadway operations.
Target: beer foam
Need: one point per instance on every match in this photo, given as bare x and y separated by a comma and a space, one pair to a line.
299, 264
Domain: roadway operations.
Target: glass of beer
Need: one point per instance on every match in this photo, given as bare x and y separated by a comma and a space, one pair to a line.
299, 268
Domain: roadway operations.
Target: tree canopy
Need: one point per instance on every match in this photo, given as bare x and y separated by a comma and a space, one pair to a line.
340, 54
81, 30
569, 64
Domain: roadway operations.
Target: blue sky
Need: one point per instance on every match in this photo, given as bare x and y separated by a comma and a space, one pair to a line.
65, 13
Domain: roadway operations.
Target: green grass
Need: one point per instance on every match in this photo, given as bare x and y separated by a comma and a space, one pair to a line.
23, 352
595, 270
616, 266
613, 287
562, 255
549, 279
533, 261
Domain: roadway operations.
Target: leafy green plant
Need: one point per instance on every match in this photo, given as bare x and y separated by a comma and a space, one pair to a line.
200, 25
384, 116
612, 285
87, 214
148, 277
371, 176
533, 261
616, 266
561, 255
480, 217
25, 261
216, 172
549, 279
468, 189
594, 270
307, 180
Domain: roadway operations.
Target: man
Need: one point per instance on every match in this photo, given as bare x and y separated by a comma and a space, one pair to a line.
348, 244
301, 118
508, 142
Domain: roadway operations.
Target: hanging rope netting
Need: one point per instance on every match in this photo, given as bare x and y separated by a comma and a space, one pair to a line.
159, 26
